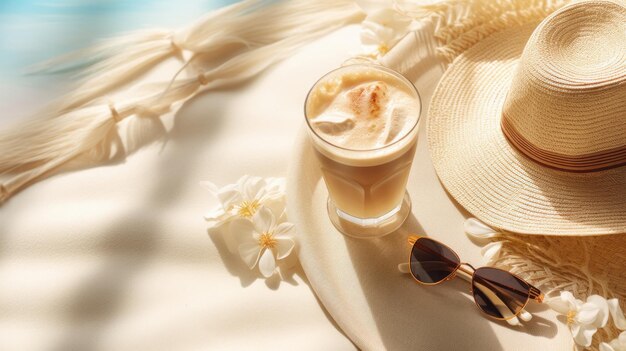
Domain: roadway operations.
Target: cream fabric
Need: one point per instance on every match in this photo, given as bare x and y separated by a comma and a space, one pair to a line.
118, 257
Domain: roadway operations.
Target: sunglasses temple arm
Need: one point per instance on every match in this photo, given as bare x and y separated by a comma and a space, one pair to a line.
404, 268
533, 292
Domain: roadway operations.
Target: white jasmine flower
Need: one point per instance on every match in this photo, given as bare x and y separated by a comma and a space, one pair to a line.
479, 230
491, 252
617, 344
383, 27
616, 312
244, 198
583, 318
261, 240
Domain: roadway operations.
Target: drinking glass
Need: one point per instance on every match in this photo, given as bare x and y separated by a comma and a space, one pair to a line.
367, 188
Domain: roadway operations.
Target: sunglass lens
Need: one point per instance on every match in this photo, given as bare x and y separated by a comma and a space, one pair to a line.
432, 262
499, 293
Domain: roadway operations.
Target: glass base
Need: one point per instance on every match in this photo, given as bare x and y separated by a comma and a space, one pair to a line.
369, 227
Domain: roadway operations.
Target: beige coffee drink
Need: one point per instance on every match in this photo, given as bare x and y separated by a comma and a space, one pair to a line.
363, 122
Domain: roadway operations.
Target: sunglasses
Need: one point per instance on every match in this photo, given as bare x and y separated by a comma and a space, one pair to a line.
499, 294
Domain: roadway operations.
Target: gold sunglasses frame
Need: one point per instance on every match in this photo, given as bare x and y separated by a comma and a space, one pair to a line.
533, 292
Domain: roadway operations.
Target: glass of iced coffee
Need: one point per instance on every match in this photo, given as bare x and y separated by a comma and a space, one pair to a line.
363, 122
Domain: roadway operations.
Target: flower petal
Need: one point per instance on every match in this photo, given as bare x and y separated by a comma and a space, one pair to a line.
217, 215
382, 29
375, 34
281, 216
243, 230
573, 302
274, 187
229, 196
253, 188
241, 181
618, 316
267, 264
275, 205
475, 228
587, 314
584, 335
563, 303
491, 251
284, 229
263, 220
621, 339
250, 253
392, 19
283, 247
560, 306
211, 187
603, 310
606, 347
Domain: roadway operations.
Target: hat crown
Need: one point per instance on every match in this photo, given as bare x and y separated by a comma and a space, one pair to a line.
568, 96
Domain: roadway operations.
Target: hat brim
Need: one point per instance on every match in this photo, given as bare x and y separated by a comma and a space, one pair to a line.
493, 180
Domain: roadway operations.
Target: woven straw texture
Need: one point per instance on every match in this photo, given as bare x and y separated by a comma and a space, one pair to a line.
490, 177
567, 96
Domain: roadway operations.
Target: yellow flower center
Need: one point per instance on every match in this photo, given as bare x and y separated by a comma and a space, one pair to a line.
266, 240
383, 49
247, 209
570, 317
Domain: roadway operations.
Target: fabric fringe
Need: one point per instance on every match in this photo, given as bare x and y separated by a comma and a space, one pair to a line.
252, 35
117, 61
459, 24
42, 146
98, 53
555, 264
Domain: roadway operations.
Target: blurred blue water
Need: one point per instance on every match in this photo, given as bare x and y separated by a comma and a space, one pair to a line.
34, 30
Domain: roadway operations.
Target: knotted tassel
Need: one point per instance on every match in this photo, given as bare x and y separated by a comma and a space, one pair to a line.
247, 37
118, 61
220, 35
48, 144
84, 137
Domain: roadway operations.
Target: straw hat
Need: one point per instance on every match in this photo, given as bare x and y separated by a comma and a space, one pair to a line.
527, 129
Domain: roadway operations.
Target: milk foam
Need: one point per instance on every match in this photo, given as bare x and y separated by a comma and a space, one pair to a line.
362, 109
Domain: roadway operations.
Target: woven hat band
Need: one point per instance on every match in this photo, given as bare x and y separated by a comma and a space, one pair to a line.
596, 161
